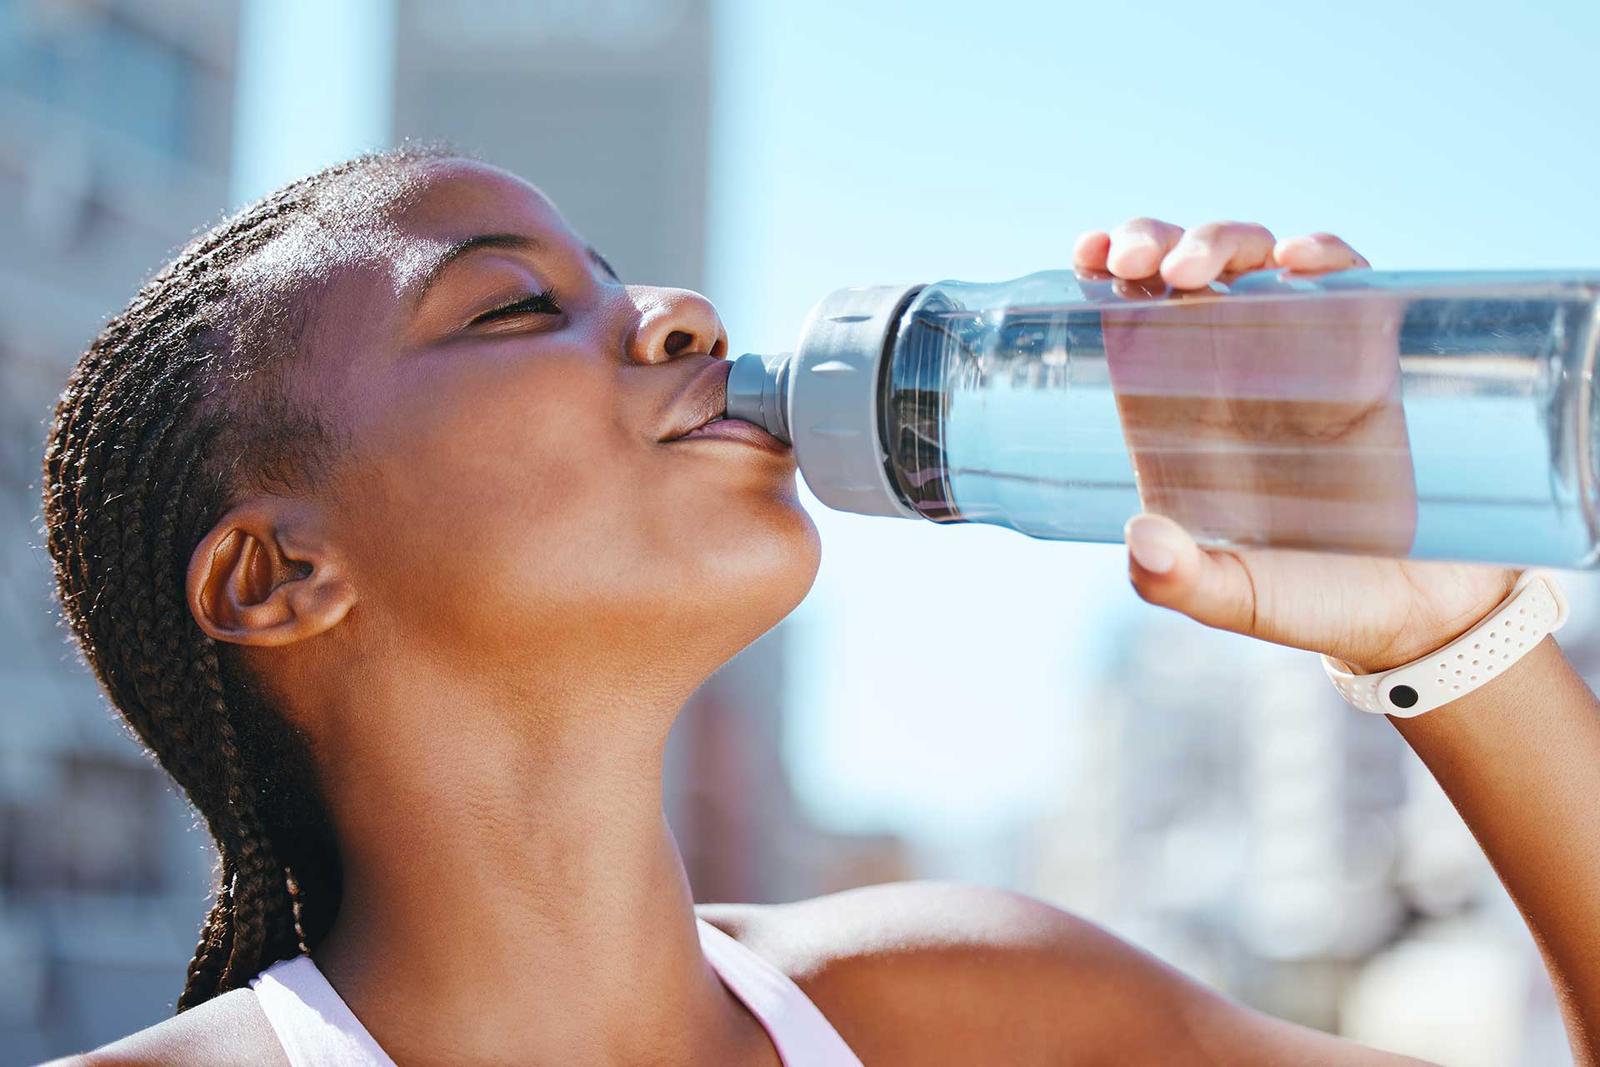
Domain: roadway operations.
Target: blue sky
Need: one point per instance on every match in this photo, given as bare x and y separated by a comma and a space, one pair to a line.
939, 671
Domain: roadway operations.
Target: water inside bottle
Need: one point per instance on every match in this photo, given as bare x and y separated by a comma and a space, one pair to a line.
1437, 422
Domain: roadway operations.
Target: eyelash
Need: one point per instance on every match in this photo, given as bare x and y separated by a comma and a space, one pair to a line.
541, 303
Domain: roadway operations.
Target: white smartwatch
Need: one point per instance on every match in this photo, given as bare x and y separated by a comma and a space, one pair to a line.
1534, 609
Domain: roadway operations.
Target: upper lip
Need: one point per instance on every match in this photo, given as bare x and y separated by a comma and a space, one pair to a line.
703, 399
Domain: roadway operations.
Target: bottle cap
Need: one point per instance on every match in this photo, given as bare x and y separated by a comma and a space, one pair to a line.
834, 392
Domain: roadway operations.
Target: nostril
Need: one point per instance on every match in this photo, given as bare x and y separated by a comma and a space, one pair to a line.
677, 341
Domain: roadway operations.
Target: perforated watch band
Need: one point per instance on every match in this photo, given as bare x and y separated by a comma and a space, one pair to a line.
1534, 609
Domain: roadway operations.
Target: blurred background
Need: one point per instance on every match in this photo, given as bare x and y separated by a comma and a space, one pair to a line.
950, 702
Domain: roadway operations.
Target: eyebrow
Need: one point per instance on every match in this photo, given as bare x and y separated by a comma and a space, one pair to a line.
604, 264
514, 241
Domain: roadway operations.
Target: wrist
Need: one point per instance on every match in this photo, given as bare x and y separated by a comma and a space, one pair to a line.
1414, 641
1534, 609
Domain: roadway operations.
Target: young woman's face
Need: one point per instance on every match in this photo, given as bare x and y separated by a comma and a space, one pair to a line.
514, 481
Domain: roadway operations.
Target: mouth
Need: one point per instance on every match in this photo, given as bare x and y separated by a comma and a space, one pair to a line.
699, 413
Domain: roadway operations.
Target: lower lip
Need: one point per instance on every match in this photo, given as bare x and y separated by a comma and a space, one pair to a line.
747, 433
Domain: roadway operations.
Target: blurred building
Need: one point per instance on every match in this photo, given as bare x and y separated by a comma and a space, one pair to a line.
1235, 817
605, 105
114, 135
1230, 803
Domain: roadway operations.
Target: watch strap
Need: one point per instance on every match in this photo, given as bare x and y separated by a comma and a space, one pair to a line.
1534, 609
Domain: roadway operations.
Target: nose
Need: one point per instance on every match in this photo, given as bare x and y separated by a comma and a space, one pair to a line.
673, 323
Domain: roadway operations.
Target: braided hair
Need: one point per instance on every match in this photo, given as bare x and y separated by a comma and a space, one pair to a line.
180, 406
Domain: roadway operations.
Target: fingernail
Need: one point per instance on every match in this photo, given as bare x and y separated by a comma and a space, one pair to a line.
1151, 544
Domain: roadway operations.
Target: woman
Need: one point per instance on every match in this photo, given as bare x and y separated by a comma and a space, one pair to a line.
399, 529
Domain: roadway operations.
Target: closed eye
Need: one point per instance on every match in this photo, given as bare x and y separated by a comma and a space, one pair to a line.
534, 304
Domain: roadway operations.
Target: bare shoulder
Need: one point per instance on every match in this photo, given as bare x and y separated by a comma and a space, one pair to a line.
938, 972
929, 972
920, 920
226, 1031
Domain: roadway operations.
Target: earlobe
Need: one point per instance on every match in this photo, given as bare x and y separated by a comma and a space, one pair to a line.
261, 577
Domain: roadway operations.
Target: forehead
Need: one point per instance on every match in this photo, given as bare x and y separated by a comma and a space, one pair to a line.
458, 199
456, 192
393, 230
337, 277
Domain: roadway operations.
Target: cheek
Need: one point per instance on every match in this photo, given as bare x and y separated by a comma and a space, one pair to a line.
502, 494
511, 501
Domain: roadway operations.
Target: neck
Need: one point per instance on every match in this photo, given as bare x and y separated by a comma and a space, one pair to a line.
512, 892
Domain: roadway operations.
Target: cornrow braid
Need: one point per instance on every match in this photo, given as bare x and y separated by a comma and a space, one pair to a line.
175, 409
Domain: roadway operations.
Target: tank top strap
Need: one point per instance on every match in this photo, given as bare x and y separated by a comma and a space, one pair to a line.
314, 1025
317, 1029
800, 1032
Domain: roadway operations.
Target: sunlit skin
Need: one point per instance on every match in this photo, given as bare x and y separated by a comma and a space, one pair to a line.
489, 616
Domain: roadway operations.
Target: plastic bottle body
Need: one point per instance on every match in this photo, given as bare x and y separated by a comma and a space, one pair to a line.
1441, 416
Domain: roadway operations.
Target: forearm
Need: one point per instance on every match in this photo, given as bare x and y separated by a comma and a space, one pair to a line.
1520, 759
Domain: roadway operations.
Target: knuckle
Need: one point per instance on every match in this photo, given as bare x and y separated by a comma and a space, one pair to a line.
1249, 232
1147, 225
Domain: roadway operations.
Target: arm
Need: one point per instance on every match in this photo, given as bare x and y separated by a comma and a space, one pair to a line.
1519, 757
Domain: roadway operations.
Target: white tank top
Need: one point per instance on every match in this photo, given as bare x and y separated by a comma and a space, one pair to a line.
317, 1029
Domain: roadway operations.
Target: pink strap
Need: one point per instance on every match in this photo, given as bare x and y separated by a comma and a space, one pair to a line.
803, 1037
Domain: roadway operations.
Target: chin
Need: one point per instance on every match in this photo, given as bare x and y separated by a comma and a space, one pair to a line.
757, 576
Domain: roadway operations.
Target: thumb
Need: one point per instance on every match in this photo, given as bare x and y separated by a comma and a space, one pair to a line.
1168, 569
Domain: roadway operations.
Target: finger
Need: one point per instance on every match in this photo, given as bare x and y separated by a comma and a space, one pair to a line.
1167, 568
1318, 252
1089, 253
1207, 252
1138, 245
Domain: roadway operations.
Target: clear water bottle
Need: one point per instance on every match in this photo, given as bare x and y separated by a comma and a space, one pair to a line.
1433, 415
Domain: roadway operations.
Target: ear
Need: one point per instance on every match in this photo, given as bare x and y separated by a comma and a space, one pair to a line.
266, 576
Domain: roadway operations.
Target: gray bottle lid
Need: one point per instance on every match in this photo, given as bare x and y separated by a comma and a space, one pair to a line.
833, 395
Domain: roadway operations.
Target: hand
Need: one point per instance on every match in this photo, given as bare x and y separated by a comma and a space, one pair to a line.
1373, 612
